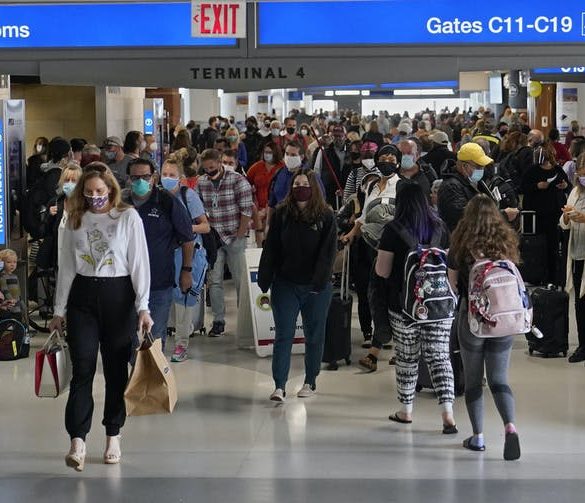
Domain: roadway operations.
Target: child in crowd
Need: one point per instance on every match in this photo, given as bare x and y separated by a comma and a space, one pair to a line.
10, 304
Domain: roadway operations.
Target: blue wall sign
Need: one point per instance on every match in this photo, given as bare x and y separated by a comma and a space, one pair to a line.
148, 122
405, 22
573, 70
137, 24
3, 203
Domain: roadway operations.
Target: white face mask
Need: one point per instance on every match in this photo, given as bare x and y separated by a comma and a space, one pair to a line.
153, 147
39, 148
268, 157
142, 145
227, 167
292, 162
368, 163
275, 132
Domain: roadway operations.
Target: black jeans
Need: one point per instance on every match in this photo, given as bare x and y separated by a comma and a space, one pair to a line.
100, 315
361, 263
579, 302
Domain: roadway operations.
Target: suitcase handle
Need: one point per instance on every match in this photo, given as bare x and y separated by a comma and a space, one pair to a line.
344, 292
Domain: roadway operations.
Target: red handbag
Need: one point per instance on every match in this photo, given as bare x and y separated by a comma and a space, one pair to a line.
52, 367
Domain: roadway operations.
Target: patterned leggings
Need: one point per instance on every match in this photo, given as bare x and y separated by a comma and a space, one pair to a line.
433, 341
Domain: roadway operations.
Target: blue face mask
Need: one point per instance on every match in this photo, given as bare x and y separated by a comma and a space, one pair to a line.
68, 188
169, 183
140, 187
476, 176
407, 161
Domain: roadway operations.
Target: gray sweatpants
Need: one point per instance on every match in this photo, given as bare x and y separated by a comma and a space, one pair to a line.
494, 354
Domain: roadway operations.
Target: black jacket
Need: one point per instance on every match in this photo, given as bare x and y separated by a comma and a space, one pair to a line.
454, 194
546, 202
437, 157
341, 171
298, 252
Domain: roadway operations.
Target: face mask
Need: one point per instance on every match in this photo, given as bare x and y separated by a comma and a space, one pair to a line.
153, 147
68, 188
169, 183
368, 163
110, 155
387, 168
227, 167
407, 161
275, 132
290, 130
140, 187
232, 138
302, 194
582, 180
503, 132
142, 145
355, 155
39, 149
268, 157
212, 173
476, 176
97, 202
304, 132
292, 162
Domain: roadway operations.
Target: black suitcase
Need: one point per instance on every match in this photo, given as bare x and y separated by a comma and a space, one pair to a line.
338, 328
534, 267
424, 376
551, 318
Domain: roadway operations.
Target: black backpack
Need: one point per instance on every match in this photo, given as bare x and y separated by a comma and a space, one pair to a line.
14, 340
211, 240
34, 209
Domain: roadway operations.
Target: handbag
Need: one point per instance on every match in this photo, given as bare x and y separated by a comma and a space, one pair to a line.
52, 367
152, 388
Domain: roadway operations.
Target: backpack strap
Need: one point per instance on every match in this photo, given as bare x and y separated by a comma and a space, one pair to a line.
184, 190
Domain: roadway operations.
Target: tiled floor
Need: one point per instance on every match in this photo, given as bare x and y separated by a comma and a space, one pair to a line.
226, 442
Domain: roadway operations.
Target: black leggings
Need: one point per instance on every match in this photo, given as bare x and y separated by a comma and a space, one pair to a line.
579, 301
362, 258
100, 315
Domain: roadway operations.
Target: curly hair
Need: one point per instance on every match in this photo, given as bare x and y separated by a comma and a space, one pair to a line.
483, 233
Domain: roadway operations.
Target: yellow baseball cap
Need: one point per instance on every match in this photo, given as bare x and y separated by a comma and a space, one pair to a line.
474, 153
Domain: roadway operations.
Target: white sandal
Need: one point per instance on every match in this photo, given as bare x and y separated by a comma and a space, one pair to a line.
113, 458
76, 458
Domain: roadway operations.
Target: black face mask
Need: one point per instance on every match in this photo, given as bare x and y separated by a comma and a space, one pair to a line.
290, 130
387, 168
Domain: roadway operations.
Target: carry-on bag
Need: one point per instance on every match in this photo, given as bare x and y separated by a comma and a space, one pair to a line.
52, 367
534, 266
338, 328
14, 340
152, 388
551, 319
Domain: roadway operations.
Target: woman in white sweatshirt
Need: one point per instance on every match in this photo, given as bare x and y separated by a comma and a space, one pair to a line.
102, 285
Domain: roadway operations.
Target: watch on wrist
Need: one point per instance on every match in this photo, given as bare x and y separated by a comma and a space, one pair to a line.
187, 269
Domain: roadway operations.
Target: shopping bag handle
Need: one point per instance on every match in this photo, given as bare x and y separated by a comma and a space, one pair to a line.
147, 339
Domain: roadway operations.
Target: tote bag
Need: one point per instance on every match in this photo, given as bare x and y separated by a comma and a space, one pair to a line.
52, 367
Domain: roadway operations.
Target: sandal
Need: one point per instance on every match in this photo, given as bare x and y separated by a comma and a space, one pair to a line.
450, 429
512, 447
397, 419
369, 362
112, 456
468, 445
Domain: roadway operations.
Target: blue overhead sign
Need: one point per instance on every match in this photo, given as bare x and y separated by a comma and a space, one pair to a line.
148, 122
137, 24
572, 70
406, 22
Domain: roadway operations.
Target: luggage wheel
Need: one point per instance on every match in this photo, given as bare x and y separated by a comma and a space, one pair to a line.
348, 361
530, 351
564, 353
332, 366
418, 388
202, 331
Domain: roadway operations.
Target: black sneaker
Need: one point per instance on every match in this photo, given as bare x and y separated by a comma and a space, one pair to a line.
367, 344
217, 329
577, 356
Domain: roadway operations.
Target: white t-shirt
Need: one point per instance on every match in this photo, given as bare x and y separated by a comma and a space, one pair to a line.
106, 245
388, 192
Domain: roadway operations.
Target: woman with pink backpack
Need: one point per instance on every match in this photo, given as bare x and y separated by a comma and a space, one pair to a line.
483, 239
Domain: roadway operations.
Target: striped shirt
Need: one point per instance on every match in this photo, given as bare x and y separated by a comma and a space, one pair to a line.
226, 202
354, 180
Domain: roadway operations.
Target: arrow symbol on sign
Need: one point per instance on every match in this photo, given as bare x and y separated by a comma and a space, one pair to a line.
195, 18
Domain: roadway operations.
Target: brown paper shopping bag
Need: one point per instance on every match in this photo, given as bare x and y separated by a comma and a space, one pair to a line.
151, 388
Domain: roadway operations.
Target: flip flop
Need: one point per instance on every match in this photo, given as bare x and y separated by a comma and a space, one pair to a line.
468, 445
397, 419
512, 447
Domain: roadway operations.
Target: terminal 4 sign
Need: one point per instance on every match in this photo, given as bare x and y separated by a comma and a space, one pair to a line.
101, 25
407, 22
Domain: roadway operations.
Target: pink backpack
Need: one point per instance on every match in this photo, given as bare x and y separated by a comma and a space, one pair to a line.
499, 303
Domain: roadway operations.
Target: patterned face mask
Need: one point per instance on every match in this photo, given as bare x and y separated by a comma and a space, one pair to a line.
97, 202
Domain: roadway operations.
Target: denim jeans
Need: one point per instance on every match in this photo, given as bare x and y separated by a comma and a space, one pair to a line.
233, 254
288, 299
159, 304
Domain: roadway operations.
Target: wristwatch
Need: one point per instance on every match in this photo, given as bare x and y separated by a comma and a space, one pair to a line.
187, 269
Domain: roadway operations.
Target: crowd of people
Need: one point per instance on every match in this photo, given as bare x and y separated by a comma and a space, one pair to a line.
129, 237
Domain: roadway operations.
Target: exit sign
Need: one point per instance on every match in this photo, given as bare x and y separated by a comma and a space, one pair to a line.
218, 19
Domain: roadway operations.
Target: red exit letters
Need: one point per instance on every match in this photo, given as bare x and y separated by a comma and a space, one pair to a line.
219, 18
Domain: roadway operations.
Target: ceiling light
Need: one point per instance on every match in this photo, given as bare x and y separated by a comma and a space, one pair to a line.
352, 92
424, 92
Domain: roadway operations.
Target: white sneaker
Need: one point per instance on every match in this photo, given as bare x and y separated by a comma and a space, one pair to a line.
277, 395
306, 391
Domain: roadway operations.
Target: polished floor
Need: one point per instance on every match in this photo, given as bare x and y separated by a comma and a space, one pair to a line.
226, 442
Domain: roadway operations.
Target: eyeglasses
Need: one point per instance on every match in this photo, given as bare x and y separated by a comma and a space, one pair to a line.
146, 178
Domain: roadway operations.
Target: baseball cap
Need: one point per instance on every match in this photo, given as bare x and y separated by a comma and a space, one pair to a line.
474, 153
113, 141
439, 137
404, 127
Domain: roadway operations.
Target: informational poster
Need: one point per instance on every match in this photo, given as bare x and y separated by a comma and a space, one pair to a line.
567, 107
255, 313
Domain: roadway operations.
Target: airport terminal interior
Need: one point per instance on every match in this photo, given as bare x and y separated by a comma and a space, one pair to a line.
87, 82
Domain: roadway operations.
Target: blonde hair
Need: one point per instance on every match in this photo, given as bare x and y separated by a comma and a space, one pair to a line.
78, 202
71, 168
7, 253
234, 132
353, 136
176, 164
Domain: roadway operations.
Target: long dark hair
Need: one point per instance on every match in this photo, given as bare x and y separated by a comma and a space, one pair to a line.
414, 212
316, 207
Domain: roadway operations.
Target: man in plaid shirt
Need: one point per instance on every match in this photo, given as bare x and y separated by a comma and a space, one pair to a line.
227, 198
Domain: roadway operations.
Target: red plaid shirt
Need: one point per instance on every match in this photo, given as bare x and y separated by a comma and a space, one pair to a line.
227, 203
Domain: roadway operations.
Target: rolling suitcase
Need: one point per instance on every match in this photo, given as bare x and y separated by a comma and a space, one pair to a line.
338, 328
424, 376
551, 318
534, 268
